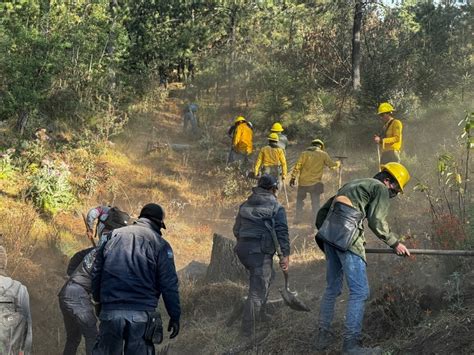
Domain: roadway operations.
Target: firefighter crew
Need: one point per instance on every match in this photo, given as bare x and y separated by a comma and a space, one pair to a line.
242, 141
271, 159
390, 139
309, 172
370, 199
282, 139
259, 217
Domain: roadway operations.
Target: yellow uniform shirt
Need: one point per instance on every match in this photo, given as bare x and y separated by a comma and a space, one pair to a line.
310, 166
271, 156
392, 139
243, 137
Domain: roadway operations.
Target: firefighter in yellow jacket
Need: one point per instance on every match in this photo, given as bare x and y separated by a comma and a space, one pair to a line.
271, 159
242, 141
390, 139
309, 171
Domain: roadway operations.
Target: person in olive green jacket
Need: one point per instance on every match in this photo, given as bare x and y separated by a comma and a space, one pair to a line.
390, 139
371, 197
309, 171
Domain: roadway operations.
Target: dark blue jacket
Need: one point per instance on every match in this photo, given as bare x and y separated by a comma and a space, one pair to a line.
134, 268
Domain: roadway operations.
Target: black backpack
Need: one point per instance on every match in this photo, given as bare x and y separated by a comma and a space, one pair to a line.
116, 219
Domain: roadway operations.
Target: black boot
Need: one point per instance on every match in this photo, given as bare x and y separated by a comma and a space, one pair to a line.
324, 339
354, 347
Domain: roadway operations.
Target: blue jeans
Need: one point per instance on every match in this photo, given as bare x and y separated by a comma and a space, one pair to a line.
121, 332
353, 267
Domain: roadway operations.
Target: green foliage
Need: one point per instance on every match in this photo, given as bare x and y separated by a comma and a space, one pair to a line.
50, 189
7, 168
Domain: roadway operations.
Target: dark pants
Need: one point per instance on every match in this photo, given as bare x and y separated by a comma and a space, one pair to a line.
261, 271
122, 331
390, 156
315, 192
79, 318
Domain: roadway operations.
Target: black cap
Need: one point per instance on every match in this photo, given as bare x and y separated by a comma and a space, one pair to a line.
155, 213
267, 182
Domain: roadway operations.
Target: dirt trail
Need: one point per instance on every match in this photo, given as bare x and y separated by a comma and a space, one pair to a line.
184, 185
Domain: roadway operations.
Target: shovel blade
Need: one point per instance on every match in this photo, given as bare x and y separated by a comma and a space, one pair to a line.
292, 301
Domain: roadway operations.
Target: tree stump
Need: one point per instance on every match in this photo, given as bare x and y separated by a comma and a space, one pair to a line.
224, 263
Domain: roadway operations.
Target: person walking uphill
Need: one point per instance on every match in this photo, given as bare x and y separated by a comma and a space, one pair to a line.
340, 236
309, 171
255, 246
242, 141
130, 273
282, 139
271, 159
75, 297
16, 333
390, 140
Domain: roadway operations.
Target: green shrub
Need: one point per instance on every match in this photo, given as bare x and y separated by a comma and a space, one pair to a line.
6, 167
50, 189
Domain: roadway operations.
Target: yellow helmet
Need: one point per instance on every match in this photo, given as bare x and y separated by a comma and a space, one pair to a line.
318, 141
239, 119
273, 137
398, 171
385, 107
277, 127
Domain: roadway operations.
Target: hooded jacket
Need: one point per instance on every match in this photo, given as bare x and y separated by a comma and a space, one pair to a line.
262, 206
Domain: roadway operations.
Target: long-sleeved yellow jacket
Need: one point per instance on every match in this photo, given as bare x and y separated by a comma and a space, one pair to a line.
310, 165
392, 139
242, 141
271, 156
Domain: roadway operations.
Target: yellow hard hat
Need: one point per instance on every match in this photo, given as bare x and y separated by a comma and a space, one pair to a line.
398, 171
273, 137
385, 107
318, 141
277, 127
239, 119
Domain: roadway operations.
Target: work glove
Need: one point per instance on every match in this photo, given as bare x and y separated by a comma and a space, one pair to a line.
173, 327
338, 164
292, 182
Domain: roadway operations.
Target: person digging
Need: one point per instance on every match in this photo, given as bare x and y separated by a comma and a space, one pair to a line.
341, 238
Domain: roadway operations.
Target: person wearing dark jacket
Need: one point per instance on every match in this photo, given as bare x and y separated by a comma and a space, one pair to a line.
75, 296
130, 273
255, 246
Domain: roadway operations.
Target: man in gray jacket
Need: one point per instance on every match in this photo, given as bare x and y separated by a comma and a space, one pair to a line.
255, 246
16, 334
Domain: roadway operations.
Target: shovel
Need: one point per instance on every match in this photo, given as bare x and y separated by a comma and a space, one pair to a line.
289, 297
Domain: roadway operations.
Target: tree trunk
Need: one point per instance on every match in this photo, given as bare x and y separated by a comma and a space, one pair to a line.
231, 68
113, 8
224, 263
356, 55
22, 121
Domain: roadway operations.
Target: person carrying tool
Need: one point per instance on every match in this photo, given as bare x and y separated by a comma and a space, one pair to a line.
16, 335
108, 218
341, 237
282, 139
255, 246
271, 159
309, 171
75, 299
390, 140
242, 142
130, 273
